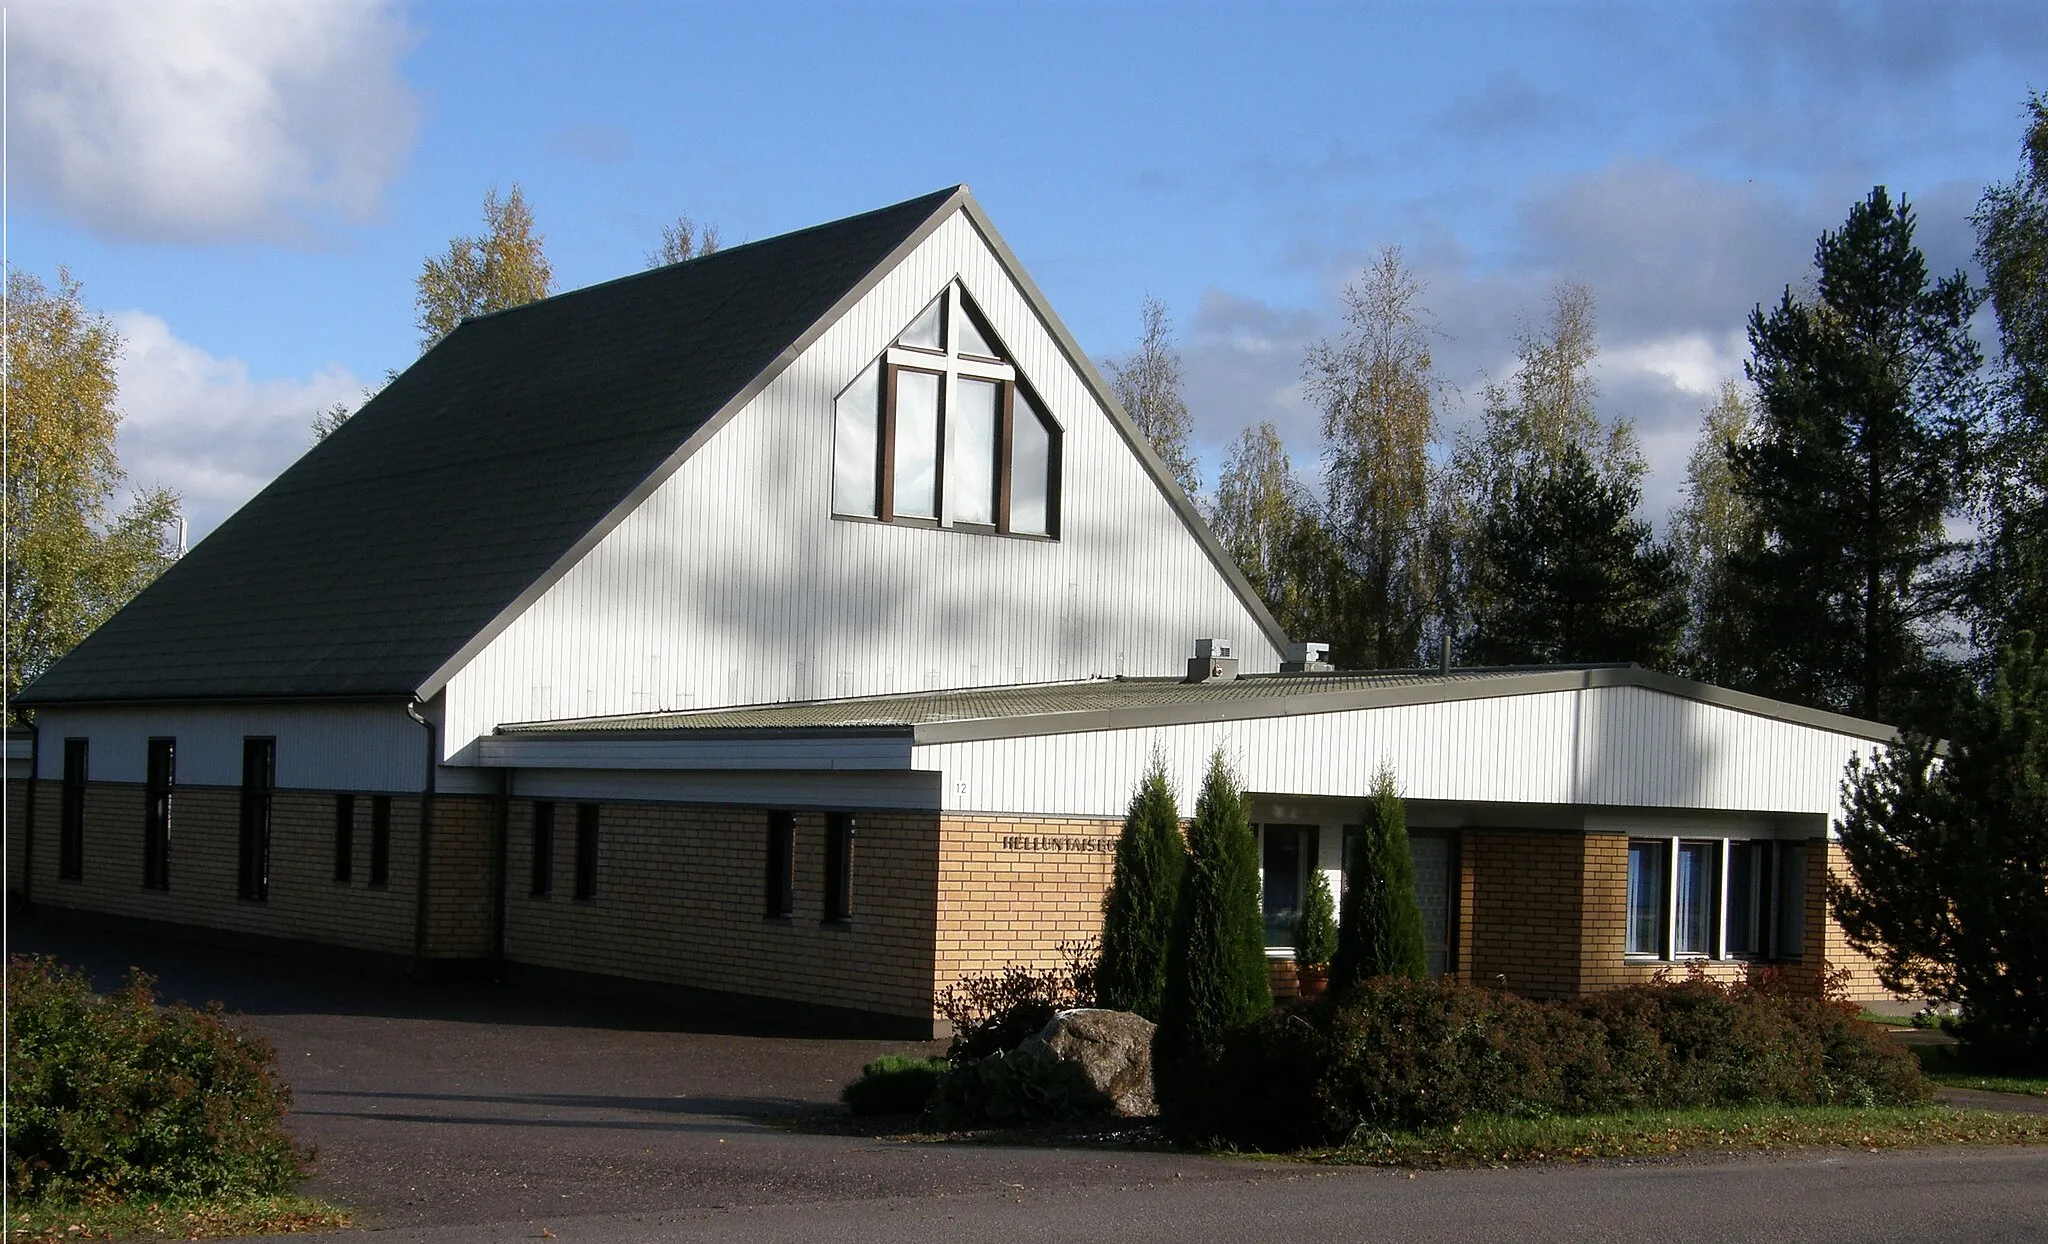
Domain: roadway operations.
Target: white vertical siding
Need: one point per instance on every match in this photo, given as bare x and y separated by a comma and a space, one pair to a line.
733, 584
1614, 746
320, 746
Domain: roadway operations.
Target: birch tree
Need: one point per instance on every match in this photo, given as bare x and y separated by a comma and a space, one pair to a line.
1147, 384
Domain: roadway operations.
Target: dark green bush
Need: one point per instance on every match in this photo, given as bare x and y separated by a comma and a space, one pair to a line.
894, 1084
1380, 932
1397, 1053
1006, 1089
992, 1011
117, 1097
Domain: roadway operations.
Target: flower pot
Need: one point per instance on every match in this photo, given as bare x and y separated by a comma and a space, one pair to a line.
1314, 981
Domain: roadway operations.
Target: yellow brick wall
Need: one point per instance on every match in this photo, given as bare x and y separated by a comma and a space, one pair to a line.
681, 893
1012, 888
304, 901
17, 838
1522, 919
459, 910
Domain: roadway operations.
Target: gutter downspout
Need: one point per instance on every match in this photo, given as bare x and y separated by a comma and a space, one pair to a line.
503, 834
426, 852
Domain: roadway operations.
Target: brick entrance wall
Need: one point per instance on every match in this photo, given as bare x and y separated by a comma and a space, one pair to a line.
682, 901
1011, 889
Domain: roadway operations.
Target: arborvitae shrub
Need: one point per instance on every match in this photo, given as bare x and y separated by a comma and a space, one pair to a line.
1137, 913
1315, 933
1216, 975
116, 1096
1381, 930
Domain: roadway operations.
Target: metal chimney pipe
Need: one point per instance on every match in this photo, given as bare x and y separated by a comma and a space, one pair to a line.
1443, 661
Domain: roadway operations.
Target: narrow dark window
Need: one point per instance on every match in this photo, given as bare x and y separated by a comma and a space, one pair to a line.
344, 839
839, 832
586, 850
781, 864
160, 774
380, 839
543, 850
259, 779
71, 813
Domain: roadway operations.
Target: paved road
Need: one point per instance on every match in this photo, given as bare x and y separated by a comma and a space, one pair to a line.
471, 1112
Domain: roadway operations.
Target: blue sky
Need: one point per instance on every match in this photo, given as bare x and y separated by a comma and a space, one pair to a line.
250, 188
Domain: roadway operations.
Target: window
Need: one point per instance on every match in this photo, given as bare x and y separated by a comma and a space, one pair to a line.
259, 779
380, 840
344, 839
1715, 898
1286, 853
71, 813
840, 828
543, 851
1646, 906
159, 774
586, 851
941, 430
781, 889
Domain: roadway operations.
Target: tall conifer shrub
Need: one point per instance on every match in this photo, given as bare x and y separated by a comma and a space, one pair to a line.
1138, 911
1380, 931
1216, 973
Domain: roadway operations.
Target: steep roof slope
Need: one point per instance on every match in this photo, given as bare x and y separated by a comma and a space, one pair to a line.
377, 555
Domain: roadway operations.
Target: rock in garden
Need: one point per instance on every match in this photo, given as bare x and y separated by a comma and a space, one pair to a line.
1112, 1048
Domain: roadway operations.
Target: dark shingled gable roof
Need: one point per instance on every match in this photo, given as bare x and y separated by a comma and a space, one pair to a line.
375, 557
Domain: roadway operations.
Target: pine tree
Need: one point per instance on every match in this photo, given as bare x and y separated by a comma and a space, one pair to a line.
1381, 932
1216, 976
1948, 862
1564, 571
1866, 393
1138, 911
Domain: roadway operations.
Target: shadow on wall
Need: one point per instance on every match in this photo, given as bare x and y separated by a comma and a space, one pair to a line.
256, 983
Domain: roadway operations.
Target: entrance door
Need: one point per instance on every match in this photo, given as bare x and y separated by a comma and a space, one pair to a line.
1287, 853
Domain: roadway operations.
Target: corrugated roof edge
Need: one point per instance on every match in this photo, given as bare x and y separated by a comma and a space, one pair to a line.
1531, 681
632, 501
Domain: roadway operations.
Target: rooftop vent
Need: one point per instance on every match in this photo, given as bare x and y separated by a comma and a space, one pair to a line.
1215, 660
1306, 658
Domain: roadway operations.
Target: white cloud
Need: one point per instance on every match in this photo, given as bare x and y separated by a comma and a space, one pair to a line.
196, 120
202, 427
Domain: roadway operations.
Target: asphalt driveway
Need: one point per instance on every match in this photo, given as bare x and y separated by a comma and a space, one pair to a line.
473, 1112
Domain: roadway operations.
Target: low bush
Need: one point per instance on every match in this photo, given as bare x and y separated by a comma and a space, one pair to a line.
115, 1097
1397, 1054
1006, 1089
991, 1012
894, 1084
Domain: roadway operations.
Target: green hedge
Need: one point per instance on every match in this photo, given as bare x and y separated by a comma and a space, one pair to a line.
116, 1097
894, 1084
1398, 1054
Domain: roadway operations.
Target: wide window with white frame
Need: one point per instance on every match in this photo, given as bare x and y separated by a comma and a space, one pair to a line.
1715, 898
942, 431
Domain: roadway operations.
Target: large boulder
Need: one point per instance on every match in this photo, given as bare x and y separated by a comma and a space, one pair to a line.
1112, 1048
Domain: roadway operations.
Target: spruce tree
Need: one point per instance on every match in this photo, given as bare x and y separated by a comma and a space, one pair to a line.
1866, 393
1948, 862
1380, 933
1137, 913
1216, 976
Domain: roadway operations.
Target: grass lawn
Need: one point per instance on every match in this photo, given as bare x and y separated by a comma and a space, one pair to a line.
1947, 1068
172, 1219
1664, 1133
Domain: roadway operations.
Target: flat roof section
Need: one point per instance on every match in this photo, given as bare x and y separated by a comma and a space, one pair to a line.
1125, 703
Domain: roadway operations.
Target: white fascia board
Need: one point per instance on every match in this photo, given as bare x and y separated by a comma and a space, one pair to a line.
860, 752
